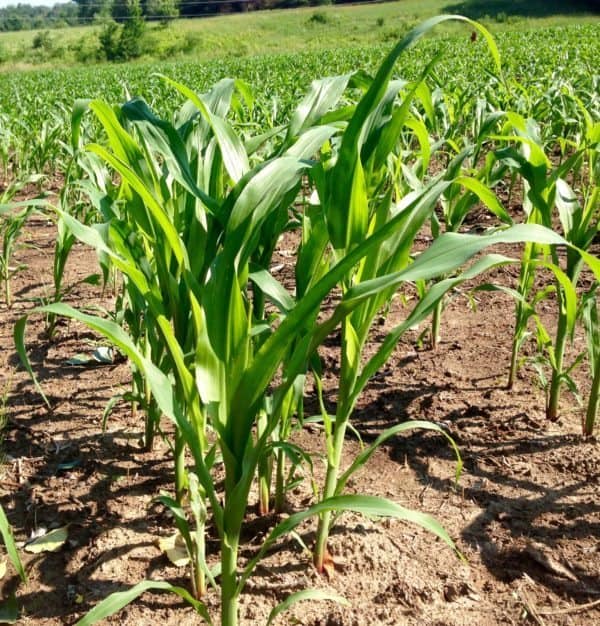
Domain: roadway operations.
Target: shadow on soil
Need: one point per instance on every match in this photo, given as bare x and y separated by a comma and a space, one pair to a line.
120, 477
518, 509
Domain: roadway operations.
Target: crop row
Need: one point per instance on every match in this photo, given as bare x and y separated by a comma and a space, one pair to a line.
185, 193
35, 107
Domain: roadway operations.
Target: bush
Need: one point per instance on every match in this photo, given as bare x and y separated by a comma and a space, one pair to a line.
109, 41
42, 41
84, 50
319, 17
130, 42
122, 43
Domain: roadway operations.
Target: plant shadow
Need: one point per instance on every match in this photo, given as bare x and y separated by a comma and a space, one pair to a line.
524, 516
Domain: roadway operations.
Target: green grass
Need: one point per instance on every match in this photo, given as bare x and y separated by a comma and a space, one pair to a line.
291, 30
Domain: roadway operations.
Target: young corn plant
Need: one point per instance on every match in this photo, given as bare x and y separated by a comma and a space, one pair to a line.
545, 188
11, 225
357, 199
10, 545
8, 607
473, 182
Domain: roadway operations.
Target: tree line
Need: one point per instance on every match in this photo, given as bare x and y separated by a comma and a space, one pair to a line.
27, 17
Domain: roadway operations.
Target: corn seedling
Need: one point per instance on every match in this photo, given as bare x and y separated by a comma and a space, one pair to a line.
545, 188
11, 224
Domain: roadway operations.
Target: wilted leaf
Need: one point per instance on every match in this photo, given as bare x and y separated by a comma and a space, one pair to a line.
102, 355
2, 569
50, 542
174, 547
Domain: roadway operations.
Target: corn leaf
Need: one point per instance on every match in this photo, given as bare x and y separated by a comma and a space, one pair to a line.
303, 595
116, 601
367, 505
11, 547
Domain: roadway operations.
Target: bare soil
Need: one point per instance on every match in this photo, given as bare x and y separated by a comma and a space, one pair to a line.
525, 513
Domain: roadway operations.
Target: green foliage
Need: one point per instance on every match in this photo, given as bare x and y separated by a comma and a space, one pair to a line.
319, 17
42, 40
109, 38
123, 42
10, 545
130, 41
162, 10
186, 204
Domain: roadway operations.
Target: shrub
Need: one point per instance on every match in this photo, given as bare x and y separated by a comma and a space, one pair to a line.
319, 17
109, 41
42, 41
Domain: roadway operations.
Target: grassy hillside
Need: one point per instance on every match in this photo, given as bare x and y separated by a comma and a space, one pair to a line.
276, 31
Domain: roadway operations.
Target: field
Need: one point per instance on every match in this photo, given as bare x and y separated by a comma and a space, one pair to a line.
271, 32
329, 328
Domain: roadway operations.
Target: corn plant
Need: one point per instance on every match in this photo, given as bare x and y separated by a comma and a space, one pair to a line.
9, 544
12, 221
545, 188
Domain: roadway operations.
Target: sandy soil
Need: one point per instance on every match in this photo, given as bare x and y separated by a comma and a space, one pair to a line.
525, 513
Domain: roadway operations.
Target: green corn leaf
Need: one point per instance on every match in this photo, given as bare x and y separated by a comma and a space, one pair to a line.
303, 595
165, 139
423, 94
232, 150
158, 382
79, 109
423, 309
568, 293
225, 309
322, 96
158, 213
367, 453
11, 547
272, 289
93, 236
116, 601
366, 505
311, 141
569, 210
124, 147
260, 372
273, 185
451, 250
343, 173
486, 195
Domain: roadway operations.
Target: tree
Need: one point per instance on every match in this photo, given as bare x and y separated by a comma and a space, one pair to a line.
89, 9
121, 38
163, 10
